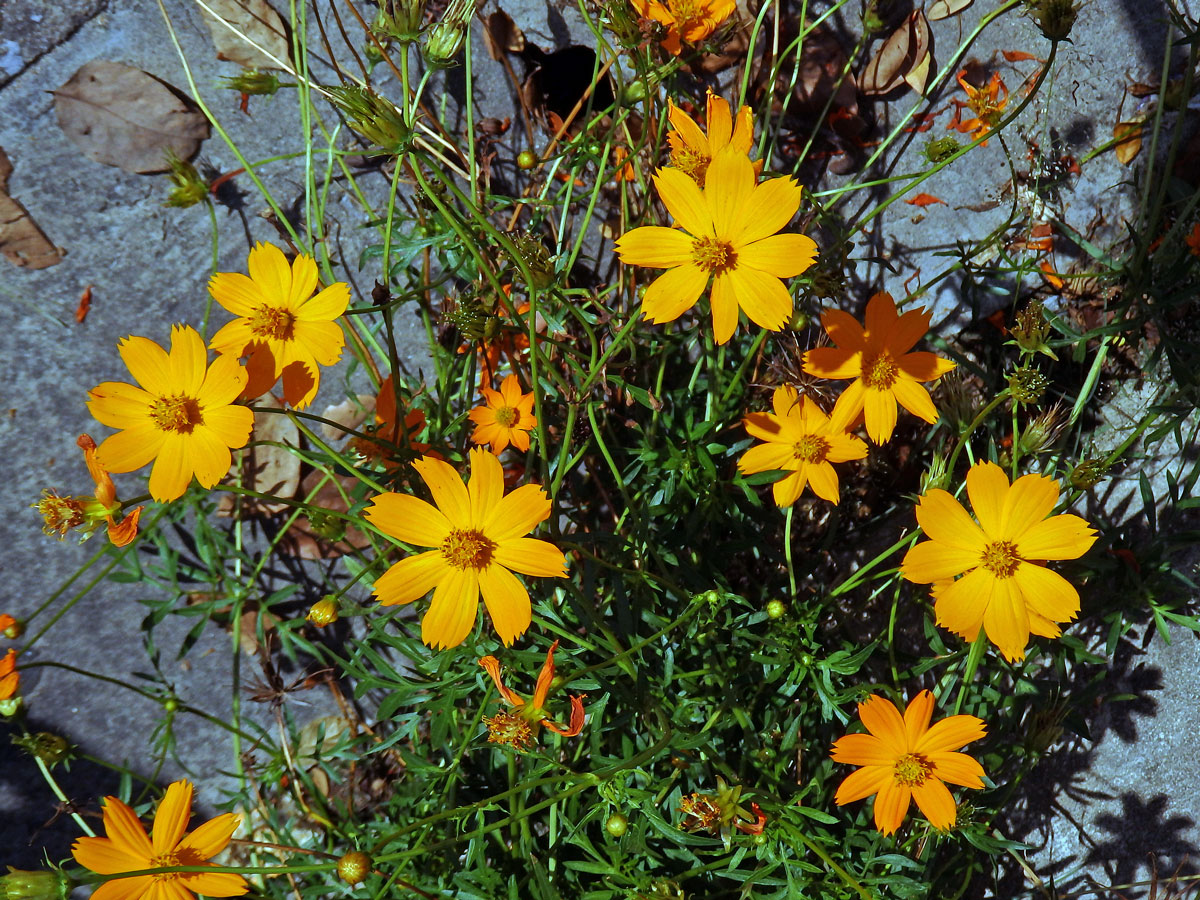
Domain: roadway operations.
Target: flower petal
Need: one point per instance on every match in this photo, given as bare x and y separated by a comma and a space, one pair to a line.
720, 122
172, 472
655, 246
687, 129
122, 825
924, 366
216, 884
408, 519
728, 187
961, 606
147, 363
209, 455
1058, 537
231, 424
915, 399
788, 490
236, 292
673, 293
907, 330
684, 201
863, 783
768, 209
950, 733
917, 715
129, 450
213, 836
833, 362
879, 318
931, 561
724, 303
125, 888
1006, 621
935, 802
119, 405
321, 341
448, 491
486, 485
530, 556
326, 305
862, 750
1046, 592
223, 382
188, 361
1030, 500
269, 269
944, 520
824, 481
883, 720
453, 611
879, 408
171, 817
956, 768
411, 578
764, 298
891, 806
507, 602
987, 486
781, 255
517, 514
106, 857
765, 457
843, 329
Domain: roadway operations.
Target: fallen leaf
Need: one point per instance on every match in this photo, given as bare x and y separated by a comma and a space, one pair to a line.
272, 469
85, 305
919, 74
904, 49
21, 241
250, 22
944, 9
346, 416
924, 200
1018, 55
822, 63
502, 35
1129, 141
121, 116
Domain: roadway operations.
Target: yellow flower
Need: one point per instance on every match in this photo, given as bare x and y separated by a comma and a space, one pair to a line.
10, 678
904, 759
1004, 588
506, 418
479, 536
800, 440
875, 357
181, 417
987, 104
729, 236
282, 327
519, 728
685, 20
692, 150
128, 849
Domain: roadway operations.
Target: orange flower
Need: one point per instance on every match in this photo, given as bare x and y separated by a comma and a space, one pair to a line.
685, 20
622, 170
506, 418
692, 150
10, 678
986, 103
519, 728
128, 849
799, 440
885, 374
396, 439
1193, 240
904, 759
508, 342
1004, 589
120, 533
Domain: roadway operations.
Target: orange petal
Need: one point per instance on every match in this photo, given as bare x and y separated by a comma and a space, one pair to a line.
843, 329
213, 836
906, 331
944, 520
486, 486
411, 578
545, 677
924, 366
863, 783
491, 665
987, 486
891, 806
935, 802
917, 715
833, 362
171, 817
148, 364
956, 768
507, 602
950, 734
106, 857
880, 318
214, 884
788, 491
883, 720
862, 750
824, 481
728, 186
121, 824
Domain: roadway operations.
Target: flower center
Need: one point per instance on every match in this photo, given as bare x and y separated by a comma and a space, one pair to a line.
712, 255
170, 858
179, 414
912, 768
60, 514
691, 162
509, 728
810, 448
272, 322
1001, 558
687, 14
879, 372
468, 549
507, 416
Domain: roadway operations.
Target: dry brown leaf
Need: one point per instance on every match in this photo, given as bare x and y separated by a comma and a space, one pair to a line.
121, 116
21, 241
502, 35
1129, 142
919, 74
346, 416
944, 9
249, 19
900, 53
270, 469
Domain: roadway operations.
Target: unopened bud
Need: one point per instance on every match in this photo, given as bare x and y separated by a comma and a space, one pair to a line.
20, 884
1027, 384
1087, 474
1032, 329
537, 259
1044, 431
324, 611
941, 149
354, 867
252, 82
1055, 18
400, 20
376, 119
50, 748
447, 35
189, 187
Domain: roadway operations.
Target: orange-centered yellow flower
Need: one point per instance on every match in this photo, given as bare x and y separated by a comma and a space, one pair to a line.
727, 236
685, 20
1004, 589
519, 727
128, 849
282, 327
904, 759
506, 417
692, 150
10, 678
876, 357
987, 103
479, 533
181, 417
799, 439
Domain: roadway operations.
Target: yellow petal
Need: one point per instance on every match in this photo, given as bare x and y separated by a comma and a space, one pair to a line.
172, 472
531, 556
931, 561
1030, 499
848, 407
121, 824
728, 187
824, 481
687, 129
223, 383
453, 611
844, 447
148, 364
924, 366
106, 857
862, 750
951, 733
934, 800
209, 455
944, 520
171, 817
127, 451
486, 486
119, 405
655, 246
769, 207
1006, 621
448, 491
833, 362
303, 281
987, 486
1047, 593
891, 806
843, 329
1058, 537
907, 330
961, 606
915, 399
300, 383
408, 519
213, 836
764, 298
788, 491
125, 888
685, 202
786, 402
883, 720
720, 122
411, 578
781, 255
517, 514
233, 338
322, 341
673, 293
916, 717
879, 407
743, 130
765, 457
724, 303
957, 768
863, 783
232, 424
507, 602
216, 884
879, 318
188, 360
270, 270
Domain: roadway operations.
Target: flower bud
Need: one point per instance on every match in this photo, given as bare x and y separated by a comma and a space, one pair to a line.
20, 884
776, 609
1087, 474
1032, 329
375, 118
1055, 18
447, 35
400, 20
937, 475
189, 187
50, 748
252, 82
324, 611
616, 825
537, 258
941, 149
11, 628
354, 867
1027, 384
1044, 431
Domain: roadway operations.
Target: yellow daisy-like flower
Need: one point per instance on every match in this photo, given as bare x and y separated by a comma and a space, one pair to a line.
801, 440
181, 417
1004, 588
479, 535
685, 20
903, 759
876, 357
128, 849
692, 150
282, 327
728, 236
506, 418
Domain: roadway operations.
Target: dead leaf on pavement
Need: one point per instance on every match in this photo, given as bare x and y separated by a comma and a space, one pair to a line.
253, 19
903, 51
919, 74
121, 116
21, 241
944, 9
1129, 141
502, 35
270, 469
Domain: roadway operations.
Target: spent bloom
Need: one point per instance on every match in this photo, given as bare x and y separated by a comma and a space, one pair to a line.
61, 514
801, 441
1193, 240
903, 759
685, 20
283, 329
986, 102
876, 357
721, 812
505, 418
1004, 589
393, 440
519, 728
182, 416
479, 536
10, 678
727, 236
692, 150
127, 848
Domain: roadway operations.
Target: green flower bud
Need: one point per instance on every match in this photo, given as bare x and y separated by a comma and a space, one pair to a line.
526, 160
535, 255
447, 35
50, 748
189, 187
1087, 474
252, 82
776, 609
400, 20
1055, 18
616, 825
20, 884
1031, 330
1027, 384
376, 119
941, 149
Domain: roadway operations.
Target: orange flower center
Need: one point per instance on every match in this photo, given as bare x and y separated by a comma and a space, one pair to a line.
468, 549
1001, 558
712, 255
507, 416
179, 414
59, 514
692, 163
272, 322
700, 812
170, 858
879, 372
509, 728
912, 768
687, 14
810, 449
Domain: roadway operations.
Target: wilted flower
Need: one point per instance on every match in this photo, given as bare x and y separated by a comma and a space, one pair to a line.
519, 728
